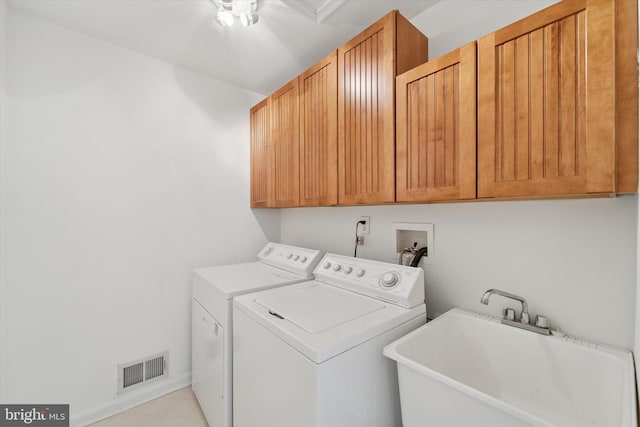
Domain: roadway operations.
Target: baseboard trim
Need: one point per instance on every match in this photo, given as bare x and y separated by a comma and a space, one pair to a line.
129, 400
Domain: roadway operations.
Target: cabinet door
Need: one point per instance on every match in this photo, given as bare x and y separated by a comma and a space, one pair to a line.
285, 123
319, 134
436, 129
260, 154
366, 134
546, 107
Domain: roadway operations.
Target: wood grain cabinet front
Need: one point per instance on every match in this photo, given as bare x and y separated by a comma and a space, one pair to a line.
285, 147
367, 68
436, 129
552, 90
260, 130
319, 134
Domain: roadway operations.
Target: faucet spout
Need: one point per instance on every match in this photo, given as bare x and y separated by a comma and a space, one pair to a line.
541, 325
525, 307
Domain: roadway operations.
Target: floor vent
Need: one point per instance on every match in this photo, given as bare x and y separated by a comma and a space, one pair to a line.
134, 374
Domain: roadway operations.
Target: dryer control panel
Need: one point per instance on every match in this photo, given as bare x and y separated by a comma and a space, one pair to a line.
397, 284
290, 258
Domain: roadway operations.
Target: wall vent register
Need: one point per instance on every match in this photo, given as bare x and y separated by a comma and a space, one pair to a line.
134, 374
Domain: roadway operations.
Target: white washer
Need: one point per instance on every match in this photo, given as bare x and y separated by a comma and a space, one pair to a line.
310, 354
212, 325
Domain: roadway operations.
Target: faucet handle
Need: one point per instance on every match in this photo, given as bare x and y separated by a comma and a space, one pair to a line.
524, 318
542, 322
509, 314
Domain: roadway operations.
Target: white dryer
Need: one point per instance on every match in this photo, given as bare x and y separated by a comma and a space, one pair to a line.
310, 354
212, 324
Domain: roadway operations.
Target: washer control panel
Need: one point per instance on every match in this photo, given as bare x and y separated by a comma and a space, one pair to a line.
397, 284
290, 258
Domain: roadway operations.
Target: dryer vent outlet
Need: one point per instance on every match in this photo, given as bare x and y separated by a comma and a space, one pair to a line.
143, 371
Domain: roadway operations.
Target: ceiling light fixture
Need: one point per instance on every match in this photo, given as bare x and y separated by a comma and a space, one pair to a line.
245, 10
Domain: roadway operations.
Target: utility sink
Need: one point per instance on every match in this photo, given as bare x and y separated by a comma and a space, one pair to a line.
468, 369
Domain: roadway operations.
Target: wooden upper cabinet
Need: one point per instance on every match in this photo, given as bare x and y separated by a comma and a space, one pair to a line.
367, 67
548, 93
285, 152
319, 134
260, 154
436, 129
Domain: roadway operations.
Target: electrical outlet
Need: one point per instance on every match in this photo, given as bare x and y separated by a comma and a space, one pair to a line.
365, 228
360, 240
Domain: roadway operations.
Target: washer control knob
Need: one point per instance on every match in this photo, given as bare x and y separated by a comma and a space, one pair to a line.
326, 265
297, 257
359, 272
268, 250
289, 256
337, 267
348, 270
389, 279
303, 259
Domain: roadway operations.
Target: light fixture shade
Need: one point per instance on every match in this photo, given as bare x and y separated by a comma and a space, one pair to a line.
249, 18
224, 17
245, 10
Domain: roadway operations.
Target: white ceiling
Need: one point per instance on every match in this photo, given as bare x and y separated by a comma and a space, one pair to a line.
262, 58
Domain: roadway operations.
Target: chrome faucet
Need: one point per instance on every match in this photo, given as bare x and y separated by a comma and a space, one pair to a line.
509, 318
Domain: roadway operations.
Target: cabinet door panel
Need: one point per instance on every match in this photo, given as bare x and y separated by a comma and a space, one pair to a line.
366, 72
436, 129
319, 134
543, 127
627, 95
260, 154
284, 191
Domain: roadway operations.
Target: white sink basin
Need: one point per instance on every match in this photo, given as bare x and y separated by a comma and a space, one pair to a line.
467, 369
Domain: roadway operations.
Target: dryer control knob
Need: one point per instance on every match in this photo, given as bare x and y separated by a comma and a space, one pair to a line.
389, 279
297, 257
348, 270
359, 272
303, 259
326, 265
268, 250
337, 267
289, 256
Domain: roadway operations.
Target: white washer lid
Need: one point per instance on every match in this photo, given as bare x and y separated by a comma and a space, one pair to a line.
318, 308
359, 321
237, 279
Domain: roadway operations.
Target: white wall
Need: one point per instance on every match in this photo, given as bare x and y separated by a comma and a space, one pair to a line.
574, 260
121, 173
450, 24
3, 29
